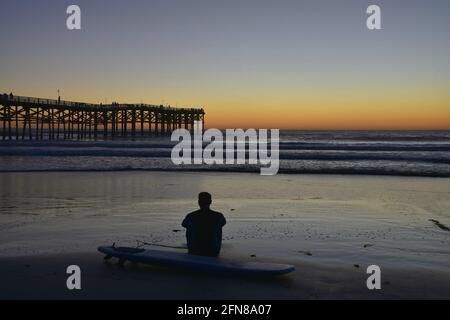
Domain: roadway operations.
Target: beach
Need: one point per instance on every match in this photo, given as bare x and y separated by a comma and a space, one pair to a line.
331, 227
319, 129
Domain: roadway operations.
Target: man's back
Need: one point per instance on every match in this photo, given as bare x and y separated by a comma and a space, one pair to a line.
204, 232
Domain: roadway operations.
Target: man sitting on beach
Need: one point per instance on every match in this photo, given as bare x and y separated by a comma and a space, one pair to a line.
204, 228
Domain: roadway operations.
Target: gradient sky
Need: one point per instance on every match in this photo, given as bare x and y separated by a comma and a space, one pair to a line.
249, 63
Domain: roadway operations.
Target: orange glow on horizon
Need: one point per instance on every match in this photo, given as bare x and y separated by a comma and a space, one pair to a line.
355, 108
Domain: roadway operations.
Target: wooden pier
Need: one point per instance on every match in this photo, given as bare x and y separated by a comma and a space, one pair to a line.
38, 119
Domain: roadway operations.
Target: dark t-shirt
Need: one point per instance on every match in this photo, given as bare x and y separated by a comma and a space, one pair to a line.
204, 232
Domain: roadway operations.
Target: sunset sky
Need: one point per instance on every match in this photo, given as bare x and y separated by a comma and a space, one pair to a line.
250, 63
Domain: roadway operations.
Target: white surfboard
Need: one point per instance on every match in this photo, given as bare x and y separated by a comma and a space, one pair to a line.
194, 262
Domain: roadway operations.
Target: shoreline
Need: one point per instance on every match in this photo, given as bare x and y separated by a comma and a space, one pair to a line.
256, 171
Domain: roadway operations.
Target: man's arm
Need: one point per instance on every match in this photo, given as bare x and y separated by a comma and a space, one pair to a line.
223, 221
185, 222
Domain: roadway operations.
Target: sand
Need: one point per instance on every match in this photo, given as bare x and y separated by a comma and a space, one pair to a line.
330, 227
44, 277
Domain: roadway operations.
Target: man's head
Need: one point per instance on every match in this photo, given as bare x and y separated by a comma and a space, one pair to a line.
204, 200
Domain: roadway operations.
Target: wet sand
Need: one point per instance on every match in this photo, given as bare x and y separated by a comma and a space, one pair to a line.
330, 227
44, 277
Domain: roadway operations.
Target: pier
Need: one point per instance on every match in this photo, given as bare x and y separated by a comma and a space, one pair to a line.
47, 119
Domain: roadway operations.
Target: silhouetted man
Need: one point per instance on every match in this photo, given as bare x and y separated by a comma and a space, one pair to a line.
204, 228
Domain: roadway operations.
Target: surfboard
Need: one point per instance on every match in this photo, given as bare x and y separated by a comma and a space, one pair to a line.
193, 262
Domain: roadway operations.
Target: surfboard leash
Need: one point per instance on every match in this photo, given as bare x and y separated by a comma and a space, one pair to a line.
140, 244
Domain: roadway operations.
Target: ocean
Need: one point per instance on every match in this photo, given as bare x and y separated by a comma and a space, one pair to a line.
405, 153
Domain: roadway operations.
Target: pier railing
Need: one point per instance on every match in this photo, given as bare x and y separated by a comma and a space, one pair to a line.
54, 102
